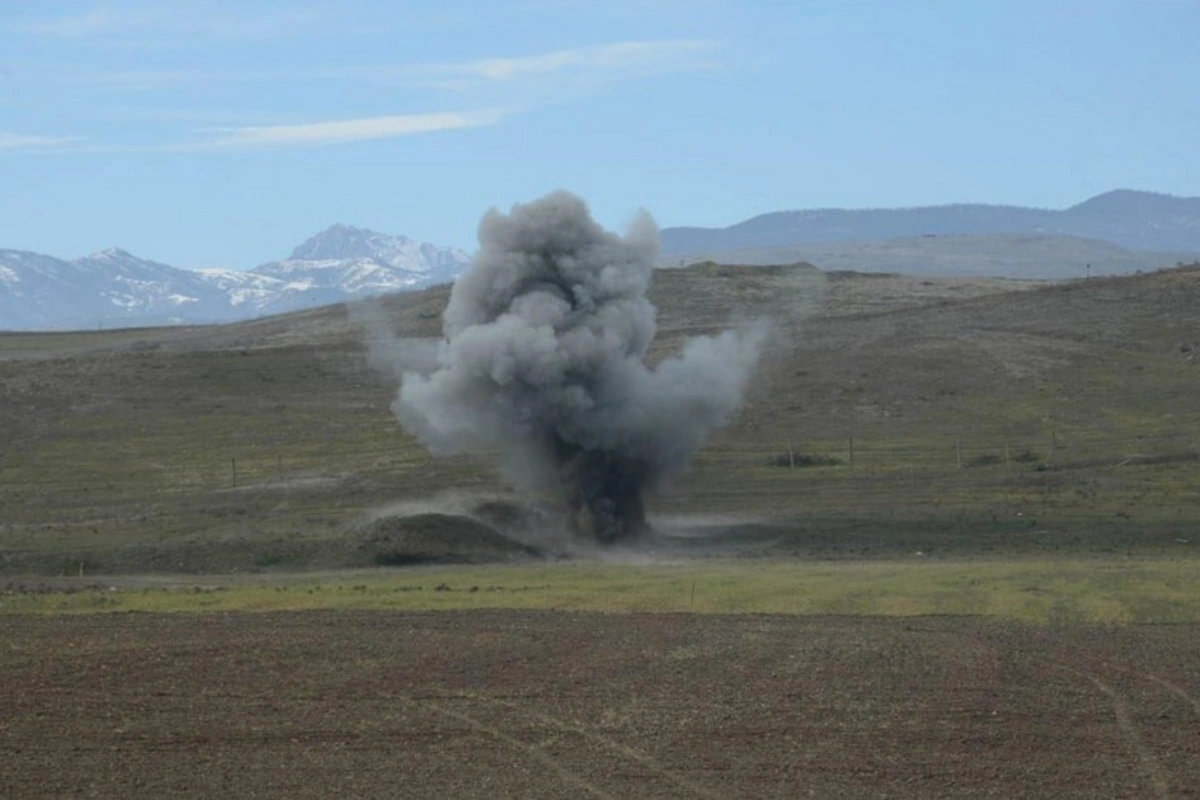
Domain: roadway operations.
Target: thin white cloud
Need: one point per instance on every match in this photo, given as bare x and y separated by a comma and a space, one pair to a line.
616, 59
351, 130
132, 21
612, 61
13, 141
514, 84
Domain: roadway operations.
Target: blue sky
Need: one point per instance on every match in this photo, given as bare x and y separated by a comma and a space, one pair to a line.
204, 133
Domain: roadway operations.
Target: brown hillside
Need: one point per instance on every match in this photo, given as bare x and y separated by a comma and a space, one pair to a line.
969, 402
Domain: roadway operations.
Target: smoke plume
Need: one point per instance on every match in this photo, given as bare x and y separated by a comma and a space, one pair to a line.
542, 364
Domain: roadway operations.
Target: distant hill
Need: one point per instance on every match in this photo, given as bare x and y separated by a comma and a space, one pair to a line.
1118, 232
1129, 219
1003, 255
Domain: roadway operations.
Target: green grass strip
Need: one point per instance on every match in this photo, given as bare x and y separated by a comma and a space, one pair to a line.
1116, 591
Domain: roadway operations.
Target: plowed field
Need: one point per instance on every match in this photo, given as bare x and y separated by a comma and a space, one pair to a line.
497, 704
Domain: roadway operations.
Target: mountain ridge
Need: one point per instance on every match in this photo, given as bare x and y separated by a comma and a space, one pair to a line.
1023, 256
1129, 218
1119, 231
114, 286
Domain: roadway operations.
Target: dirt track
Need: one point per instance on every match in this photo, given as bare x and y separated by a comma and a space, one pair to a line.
515, 704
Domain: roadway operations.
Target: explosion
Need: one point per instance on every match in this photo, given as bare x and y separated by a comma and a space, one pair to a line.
543, 365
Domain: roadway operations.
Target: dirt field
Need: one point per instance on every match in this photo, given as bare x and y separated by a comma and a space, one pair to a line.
543, 704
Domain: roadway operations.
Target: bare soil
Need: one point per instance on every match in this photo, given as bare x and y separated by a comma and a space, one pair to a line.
543, 704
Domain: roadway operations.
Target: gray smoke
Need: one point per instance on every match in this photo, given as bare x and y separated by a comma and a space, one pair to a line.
542, 363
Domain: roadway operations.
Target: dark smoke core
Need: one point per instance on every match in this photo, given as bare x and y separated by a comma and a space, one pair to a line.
604, 494
542, 364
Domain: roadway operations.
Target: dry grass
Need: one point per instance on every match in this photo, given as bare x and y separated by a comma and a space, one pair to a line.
1056, 419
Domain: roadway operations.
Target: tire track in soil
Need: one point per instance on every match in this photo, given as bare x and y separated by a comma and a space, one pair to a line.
537, 753
1154, 773
1173, 688
592, 735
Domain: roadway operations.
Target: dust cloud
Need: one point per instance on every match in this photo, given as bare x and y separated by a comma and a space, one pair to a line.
542, 367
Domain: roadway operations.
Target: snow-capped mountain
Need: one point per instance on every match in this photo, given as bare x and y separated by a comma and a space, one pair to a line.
109, 287
360, 262
114, 287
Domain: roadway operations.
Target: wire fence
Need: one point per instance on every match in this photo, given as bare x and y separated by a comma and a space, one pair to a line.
101, 477
1048, 452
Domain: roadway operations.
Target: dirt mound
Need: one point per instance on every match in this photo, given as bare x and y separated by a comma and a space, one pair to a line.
437, 539
511, 517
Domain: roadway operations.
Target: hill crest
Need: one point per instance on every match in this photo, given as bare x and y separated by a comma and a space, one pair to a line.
1125, 217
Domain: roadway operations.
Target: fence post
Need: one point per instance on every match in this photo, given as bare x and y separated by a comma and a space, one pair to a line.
233, 470
852, 452
958, 451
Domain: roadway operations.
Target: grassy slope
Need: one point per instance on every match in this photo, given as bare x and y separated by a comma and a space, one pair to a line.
1057, 591
119, 448
1046, 256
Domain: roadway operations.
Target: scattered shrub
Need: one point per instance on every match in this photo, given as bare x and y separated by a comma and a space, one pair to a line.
268, 559
804, 460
